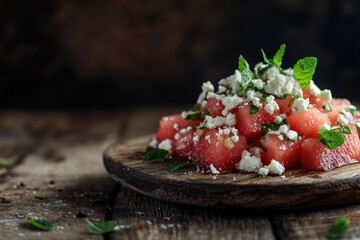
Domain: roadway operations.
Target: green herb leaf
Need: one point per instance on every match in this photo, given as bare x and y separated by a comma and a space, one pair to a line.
6, 163
261, 71
206, 112
196, 107
193, 116
177, 166
304, 70
243, 64
270, 127
100, 228
155, 154
39, 224
352, 110
345, 129
268, 61
253, 109
327, 108
277, 59
331, 138
338, 228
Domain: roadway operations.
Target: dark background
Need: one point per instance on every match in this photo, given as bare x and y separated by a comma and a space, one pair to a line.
124, 53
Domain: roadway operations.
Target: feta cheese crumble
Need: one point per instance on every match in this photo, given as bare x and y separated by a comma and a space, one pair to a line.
166, 145
275, 167
263, 171
248, 163
153, 143
213, 169
324, 126
300, 105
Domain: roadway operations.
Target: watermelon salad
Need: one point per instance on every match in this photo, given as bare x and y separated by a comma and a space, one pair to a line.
263, 120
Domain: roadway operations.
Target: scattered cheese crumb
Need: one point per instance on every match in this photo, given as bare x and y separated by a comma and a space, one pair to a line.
230, 120
177, 136
213, 169
196, 138
342, 119
278, 119
248, 163
153, 143
300, 105
275, 167
166, 145
292, 135
258, 83
324, 126
263, 171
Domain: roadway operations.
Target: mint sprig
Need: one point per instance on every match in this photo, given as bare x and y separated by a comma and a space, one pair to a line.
304, 70
338, 228
277, 59
331, 138
100, 228
40, 224
246, 74
177, 166
155, 154
6, 163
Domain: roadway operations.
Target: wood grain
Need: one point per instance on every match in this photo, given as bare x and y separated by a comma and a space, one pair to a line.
299, 189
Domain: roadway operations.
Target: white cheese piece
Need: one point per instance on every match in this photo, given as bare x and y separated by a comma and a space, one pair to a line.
342, 119
214, 122
281, 85
314, 90
289, 71
226, 131
258, 66
213, 169
326, 95
166, 145
207, 138
271, 106
258, 83
275, 167
300, 105
196, 138
206, 88
256, 102
292, 135
153, 143
281, 137
233, 82
324, 126
235, 138
248, 163
230, 120
278, 119
230, 102
177, 136
263, 171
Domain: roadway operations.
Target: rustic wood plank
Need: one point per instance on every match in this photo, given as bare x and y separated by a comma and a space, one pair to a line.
62, 176
315, 224
141, 217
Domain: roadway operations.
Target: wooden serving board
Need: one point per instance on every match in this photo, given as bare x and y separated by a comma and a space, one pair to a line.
298, 190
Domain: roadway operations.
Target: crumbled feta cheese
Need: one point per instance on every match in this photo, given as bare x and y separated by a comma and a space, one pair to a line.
213, 169
324, 126
183, 130
314, 90
221, 89
283, 128
248, 163
300, 105
176, 126
278, 119
153, 143
166, 145
292, 135
283, 116
207, 138
342, 119
281, 137
275, 167
271, 106
258, 83
196, 138
230, 120
234, 131
226, 131
347, 114
214, 122
206, 88
230, 102
177, 136
289, 71
235, 138
263, 171
233, 82
281, 85
258, 66
256, 151
357, 125
256, 102
326, 95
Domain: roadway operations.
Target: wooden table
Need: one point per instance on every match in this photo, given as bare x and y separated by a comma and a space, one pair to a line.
59, 176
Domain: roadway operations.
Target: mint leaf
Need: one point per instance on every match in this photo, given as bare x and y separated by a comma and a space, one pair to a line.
268, 61
352, 110
6, 163
261, 71
39, 224
100, 228
253, 109
338, 228
331, 138
155, 154
345, 129
243, 64
196, 107
206, 112
277, 59
194, 116
304, 70
177, 166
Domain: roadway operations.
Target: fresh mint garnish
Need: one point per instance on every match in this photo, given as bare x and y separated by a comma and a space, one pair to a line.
40, 224
304, 70
270, 127
155, 154
345, 129
194, 116
206, 112
338, 228
196, 107
253, 109
277, 59
246, 74
261, 71
331, 138
100, 228
6, 163
177, 166
352, 110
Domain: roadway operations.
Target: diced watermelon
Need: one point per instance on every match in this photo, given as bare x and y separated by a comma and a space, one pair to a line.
308, 122
214, 107
184, 146
317, 156
285, 104
249, 125
219, 150
167, 129
283, 151
315, 101
337, 105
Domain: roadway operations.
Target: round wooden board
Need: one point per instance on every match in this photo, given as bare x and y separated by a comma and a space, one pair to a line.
298, 190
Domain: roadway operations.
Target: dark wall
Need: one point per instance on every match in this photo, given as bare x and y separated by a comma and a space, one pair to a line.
116, 53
